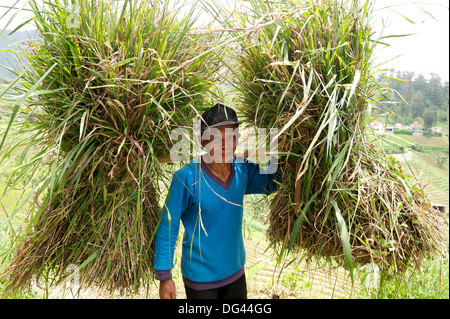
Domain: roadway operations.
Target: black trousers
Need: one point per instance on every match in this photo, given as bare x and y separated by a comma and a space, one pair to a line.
235, 290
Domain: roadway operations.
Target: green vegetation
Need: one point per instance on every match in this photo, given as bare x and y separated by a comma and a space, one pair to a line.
413, 97
431, 281
432, 149
74, 135
105, 94
297, 280
340, 197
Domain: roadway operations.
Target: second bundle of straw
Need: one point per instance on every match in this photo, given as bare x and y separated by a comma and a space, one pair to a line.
306, 69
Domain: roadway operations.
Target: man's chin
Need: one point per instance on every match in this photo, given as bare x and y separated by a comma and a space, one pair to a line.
224, 160
227, 160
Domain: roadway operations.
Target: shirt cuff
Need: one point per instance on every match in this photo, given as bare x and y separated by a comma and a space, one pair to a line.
163, 275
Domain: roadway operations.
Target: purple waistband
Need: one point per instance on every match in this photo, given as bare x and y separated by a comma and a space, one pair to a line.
215, 284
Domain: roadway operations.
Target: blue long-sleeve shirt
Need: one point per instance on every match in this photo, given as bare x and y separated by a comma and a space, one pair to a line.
212, 212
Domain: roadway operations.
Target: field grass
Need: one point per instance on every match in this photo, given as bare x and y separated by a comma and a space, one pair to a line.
425, 153
424, 162
431, 141
408, 140
431, 282
438, 176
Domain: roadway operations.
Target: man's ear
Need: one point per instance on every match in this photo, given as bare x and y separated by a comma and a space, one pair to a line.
238, 134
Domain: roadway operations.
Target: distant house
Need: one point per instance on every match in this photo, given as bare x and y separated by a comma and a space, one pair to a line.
377, 127
398, 126
436, 129
416, 128
390, 130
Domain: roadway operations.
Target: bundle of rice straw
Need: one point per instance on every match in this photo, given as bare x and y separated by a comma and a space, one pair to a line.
305, 67
107, 81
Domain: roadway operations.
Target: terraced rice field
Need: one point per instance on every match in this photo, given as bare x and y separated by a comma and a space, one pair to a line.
298, 280
437, 178
425, 165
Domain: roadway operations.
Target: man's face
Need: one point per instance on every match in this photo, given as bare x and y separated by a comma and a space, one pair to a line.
220, 143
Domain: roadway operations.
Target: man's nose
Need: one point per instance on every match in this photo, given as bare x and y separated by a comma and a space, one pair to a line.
227, 143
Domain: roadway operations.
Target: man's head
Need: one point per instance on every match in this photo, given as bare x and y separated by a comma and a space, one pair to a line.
218, 115
219, 128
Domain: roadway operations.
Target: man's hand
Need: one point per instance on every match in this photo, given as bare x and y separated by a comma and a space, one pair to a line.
167, 289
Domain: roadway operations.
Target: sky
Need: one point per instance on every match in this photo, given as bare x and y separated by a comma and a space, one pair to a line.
424, 52
427, 50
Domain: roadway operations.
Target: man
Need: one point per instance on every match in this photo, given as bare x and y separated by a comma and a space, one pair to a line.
207, 195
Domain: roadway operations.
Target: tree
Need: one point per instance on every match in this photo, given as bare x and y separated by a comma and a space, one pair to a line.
441, 159
417, 104
436, 93
429, 118
413, 94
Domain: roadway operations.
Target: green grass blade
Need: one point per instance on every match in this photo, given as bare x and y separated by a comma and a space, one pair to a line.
345, 238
